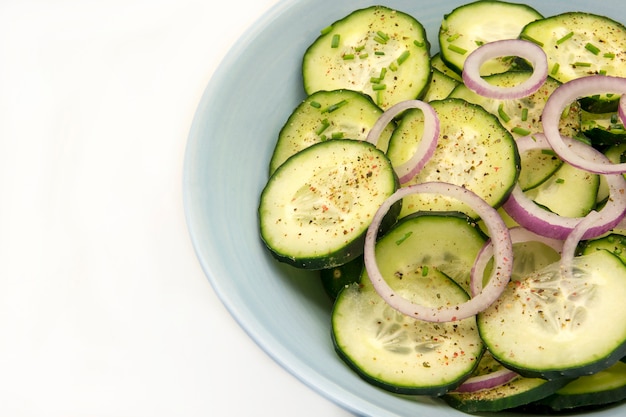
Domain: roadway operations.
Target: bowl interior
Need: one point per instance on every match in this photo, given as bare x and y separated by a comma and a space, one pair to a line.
229, 147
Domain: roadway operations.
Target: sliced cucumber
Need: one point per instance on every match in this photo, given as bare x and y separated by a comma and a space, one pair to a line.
316, 207
522, 116
448, 241
377, 50
604, 129
557, 191
578, 44
515, 393
397, 352
338, 114
474, 150
473, 24
604, 387
336, 279
551, 326
440, 86
613, 242
437, 63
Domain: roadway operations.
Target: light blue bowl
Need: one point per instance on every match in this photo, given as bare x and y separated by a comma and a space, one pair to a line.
230, 143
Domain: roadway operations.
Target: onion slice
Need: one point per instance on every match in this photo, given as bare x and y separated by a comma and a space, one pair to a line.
557, 103
487, 381
500, 48
427, 144
500, 239
546, 223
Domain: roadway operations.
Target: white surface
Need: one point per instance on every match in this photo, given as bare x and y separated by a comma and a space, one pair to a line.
104, 309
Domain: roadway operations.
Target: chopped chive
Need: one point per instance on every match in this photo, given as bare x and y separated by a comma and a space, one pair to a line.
582, 64
548, 152
602, 72
323, 138
335, 106
555, 68
363, 56
326, 30
323, 127
454, 37
379, 97
393, 66
418, 44
403, 57
505, 117
592, 48
377, 87
383, 72
375, 80
531, 39
380, 40
403, 238
359, 48
424, 270
315, 104
524, 114
379, 53
609, 55
560, 180
334, 43
479, 43
457, 49
383, 35
337, 135
520, 131
348, 57
564, 38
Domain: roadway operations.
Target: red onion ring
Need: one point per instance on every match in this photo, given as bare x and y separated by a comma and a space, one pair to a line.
543, 222
556, 104
427, 144
506, 47
487, 381
500, 238
518, 235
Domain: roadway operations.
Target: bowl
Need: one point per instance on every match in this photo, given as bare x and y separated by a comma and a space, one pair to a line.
251, 94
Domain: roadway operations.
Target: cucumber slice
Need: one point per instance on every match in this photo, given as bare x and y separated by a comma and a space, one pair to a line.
558, 191
613, 242
522, 116
551, 326
440, 86
377, 50
604, 387
316, 207
474, 151
397, 352
323, 115
468, 26
515, 393
336, 279
578, 44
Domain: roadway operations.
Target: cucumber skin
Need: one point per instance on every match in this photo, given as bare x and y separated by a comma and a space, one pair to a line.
540, 392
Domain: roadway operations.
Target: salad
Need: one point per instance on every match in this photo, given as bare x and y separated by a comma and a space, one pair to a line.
465, 210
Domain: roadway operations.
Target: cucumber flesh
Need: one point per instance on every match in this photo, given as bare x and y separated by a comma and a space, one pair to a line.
551, 326
316, 207
474, 151
339, 114
379, 51
579, 44
468, 26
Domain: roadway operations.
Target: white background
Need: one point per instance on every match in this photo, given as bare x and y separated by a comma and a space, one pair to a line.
104, 310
